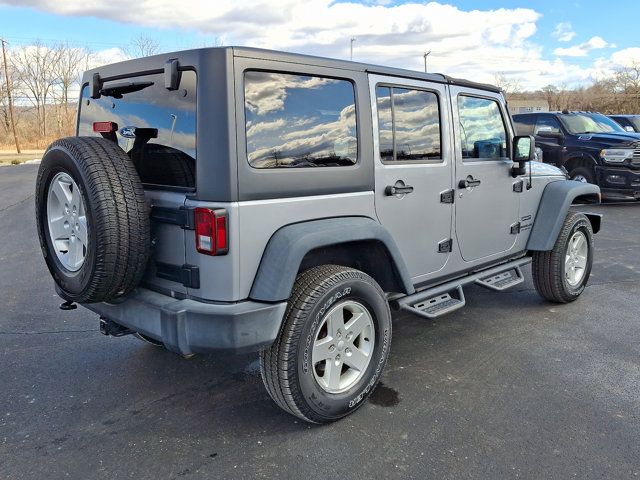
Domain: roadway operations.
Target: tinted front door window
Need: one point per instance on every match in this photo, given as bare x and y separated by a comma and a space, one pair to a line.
547, 123
482, 130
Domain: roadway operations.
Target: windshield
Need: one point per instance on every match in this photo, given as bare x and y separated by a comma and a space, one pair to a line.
579, 123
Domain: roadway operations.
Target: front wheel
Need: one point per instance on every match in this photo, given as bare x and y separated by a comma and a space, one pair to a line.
333, 345
560, 275
583, 175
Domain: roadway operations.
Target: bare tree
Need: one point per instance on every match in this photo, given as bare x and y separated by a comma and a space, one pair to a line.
507, 85
35, 65
4, 107
68, 69
143, 46
628, 83
550, 93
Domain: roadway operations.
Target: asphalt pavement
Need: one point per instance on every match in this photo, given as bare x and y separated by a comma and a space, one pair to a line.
508, 387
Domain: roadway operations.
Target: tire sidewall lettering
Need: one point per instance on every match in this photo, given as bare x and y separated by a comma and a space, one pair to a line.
337, 405
374, 379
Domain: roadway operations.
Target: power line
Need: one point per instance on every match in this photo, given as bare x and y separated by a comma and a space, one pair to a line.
30, 40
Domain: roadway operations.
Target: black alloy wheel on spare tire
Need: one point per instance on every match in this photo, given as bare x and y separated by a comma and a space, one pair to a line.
92, 219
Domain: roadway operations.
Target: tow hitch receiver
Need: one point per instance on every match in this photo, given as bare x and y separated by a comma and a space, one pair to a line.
68, 305
109, 327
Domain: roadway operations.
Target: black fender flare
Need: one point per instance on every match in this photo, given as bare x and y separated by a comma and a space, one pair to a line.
556, 199
288, 246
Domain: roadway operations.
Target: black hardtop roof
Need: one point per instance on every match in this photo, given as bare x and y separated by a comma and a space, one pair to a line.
358, 66
258, 53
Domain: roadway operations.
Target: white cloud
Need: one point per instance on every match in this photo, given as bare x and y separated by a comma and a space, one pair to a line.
475, 44
564, 32
582, 49
626, 58
105, 57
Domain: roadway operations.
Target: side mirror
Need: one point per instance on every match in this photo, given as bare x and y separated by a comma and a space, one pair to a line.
629, 128
550, 134
524, 150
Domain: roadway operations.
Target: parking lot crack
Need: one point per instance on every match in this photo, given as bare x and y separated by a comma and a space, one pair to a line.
17, 203
53, 332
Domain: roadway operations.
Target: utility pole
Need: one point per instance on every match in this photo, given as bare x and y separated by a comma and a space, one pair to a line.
8, 82
426, 54
353, 39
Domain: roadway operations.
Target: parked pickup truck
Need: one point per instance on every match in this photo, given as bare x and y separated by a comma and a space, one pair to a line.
249, 200
630, 123
590, 146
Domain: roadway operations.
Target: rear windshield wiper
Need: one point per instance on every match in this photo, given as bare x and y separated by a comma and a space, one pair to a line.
120, 89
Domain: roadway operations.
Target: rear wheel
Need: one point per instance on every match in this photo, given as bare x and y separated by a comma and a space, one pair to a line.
561, 274
333, 345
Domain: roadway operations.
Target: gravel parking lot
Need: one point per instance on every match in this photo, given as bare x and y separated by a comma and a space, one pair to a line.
509, 387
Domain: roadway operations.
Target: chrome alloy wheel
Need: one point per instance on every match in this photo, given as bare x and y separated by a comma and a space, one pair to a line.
580, 178
66, 217
343, 346
575, 262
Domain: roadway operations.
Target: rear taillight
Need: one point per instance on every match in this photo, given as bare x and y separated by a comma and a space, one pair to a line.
211, 231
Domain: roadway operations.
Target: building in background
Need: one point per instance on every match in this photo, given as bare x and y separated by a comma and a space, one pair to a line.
528, 106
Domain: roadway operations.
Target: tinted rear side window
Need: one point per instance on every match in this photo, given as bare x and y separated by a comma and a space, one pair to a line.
299, 121
156, 126
408, 124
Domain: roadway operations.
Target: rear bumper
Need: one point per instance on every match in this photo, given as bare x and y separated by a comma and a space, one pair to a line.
188, 326
619, 183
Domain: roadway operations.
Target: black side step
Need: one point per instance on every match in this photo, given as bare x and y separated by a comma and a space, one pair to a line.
448, 297
503, 280
438, 305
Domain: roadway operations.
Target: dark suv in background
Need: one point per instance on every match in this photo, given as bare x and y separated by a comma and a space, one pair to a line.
630, 123
590, 146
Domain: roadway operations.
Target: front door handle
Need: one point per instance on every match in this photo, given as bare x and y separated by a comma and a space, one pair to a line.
396, 189
469, 182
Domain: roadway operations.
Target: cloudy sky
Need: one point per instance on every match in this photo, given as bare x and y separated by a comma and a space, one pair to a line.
533, 42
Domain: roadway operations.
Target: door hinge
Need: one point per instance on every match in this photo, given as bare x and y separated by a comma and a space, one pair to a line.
187, 275
181, 216
518, 186
448, 196
445, 245
515, 228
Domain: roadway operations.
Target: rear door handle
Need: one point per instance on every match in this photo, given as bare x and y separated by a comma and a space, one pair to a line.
469, 182
397, 190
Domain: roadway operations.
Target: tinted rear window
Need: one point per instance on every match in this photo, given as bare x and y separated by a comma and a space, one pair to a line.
299, 120
156, 126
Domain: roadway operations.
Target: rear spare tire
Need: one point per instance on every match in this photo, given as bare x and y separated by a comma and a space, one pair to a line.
92, 219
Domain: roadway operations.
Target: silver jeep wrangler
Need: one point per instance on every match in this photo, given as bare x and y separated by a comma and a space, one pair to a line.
249, 200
